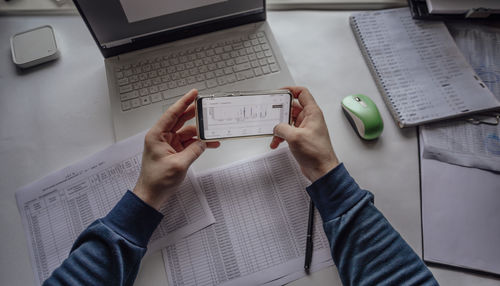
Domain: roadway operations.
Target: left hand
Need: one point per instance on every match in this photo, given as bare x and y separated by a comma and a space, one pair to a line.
169, 149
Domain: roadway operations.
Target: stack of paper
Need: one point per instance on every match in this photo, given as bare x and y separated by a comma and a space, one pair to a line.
460, 142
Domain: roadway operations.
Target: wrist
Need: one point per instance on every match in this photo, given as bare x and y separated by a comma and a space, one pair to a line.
147, 195
322, 170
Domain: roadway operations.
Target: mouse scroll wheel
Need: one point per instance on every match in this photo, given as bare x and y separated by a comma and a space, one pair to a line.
357, 99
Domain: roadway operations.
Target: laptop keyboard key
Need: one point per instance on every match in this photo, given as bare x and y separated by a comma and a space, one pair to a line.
129, 95
219, 72
199, 86
258, 71
138, 85
240, 76
172, 84
156, 81
145, 100
181, 82
211, 83
200, 77
134, 78
155, 97
123, 81
125, 88
126, 105
248, 74
231, 78
163, 86
143, 91
135, 103
221, 81
240, 60
153, 89
274, 67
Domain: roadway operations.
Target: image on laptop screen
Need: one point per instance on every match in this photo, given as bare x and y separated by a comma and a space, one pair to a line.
116, 22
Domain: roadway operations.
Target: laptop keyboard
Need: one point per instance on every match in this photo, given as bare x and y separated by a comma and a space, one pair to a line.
166, 78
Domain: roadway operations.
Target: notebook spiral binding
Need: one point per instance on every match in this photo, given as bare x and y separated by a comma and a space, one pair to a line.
386, 96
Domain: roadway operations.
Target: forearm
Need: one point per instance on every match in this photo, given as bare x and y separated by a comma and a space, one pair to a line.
365, 247
109, 251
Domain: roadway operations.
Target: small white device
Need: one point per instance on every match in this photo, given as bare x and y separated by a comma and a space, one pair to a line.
33, 47
241, 114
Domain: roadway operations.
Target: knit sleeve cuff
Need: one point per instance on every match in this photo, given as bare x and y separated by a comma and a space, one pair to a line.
335, 193
133, 219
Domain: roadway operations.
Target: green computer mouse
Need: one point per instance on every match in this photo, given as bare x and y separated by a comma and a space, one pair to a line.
363, 115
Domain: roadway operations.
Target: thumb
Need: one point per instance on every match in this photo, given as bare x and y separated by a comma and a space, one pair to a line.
192, 152
283, 130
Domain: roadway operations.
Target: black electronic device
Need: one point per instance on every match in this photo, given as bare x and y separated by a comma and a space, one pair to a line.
241, 114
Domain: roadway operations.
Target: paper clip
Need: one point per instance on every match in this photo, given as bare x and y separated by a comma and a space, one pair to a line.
489, 119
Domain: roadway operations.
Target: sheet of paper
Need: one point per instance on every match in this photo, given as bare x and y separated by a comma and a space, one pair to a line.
419, 68
460, 217
137, 10
57, 208
261, 211
458, 142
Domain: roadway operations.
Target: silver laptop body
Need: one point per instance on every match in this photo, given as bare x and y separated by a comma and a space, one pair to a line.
144, 82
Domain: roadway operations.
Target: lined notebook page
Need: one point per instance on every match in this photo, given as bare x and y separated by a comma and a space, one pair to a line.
418, 68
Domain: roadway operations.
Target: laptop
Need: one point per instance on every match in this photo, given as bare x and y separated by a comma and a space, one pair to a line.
155, 51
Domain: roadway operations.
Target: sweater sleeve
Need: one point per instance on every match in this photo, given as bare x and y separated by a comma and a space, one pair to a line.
364, 246
110, 250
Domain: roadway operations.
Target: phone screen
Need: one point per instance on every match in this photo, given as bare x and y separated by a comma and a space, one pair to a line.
240, 116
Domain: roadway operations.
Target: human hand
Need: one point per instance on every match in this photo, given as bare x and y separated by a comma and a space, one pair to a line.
169, 150
308, 139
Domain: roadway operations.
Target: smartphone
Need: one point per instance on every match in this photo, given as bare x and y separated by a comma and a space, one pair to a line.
241, 114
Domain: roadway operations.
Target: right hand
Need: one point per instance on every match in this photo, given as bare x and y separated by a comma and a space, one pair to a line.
308, 139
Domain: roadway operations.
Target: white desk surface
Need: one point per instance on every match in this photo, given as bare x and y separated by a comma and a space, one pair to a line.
56, 114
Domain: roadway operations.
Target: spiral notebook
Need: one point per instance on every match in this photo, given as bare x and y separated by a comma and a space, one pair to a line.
418, 68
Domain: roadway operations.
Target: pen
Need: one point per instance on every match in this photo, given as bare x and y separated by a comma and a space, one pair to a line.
309, 243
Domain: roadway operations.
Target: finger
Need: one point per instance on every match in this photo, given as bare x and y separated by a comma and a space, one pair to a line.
299, 119
303, 95
276, 142
191, 151
169, 119
188, 114
283, 131
214, 144
186, 133
296, 110
177, 145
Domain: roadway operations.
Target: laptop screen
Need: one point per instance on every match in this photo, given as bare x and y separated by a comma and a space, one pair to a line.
117, 22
